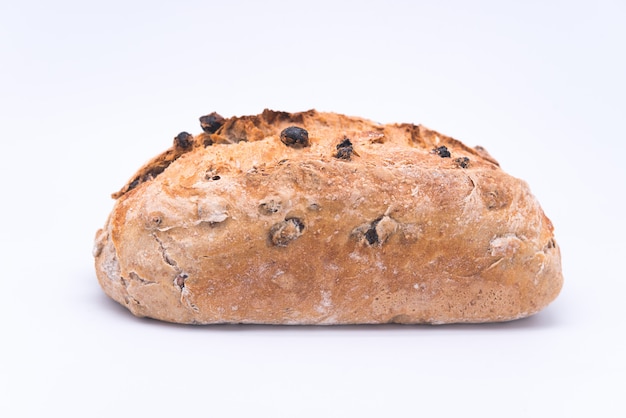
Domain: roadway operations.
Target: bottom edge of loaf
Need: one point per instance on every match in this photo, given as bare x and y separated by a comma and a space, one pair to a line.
324, 323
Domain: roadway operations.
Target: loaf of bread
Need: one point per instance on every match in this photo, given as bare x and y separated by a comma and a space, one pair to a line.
320, 218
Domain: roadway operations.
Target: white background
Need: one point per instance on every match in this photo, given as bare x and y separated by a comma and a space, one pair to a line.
90, 90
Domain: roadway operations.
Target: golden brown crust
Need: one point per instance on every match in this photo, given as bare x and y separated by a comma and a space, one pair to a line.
366, 223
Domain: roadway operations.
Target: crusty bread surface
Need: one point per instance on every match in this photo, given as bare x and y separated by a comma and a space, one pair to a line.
320, 218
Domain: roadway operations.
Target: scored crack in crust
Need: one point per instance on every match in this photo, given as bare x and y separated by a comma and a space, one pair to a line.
320, 218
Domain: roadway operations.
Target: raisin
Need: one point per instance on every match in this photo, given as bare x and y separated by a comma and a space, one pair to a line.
211, 123
284, 232
183, 141
377, 232
344, 150
462, 162
371, 235
295, 137
442, 151
180, 280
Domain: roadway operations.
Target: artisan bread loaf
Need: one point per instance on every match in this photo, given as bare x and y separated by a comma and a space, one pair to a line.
319, 218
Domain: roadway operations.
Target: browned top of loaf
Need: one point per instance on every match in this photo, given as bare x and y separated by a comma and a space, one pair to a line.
325, 133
